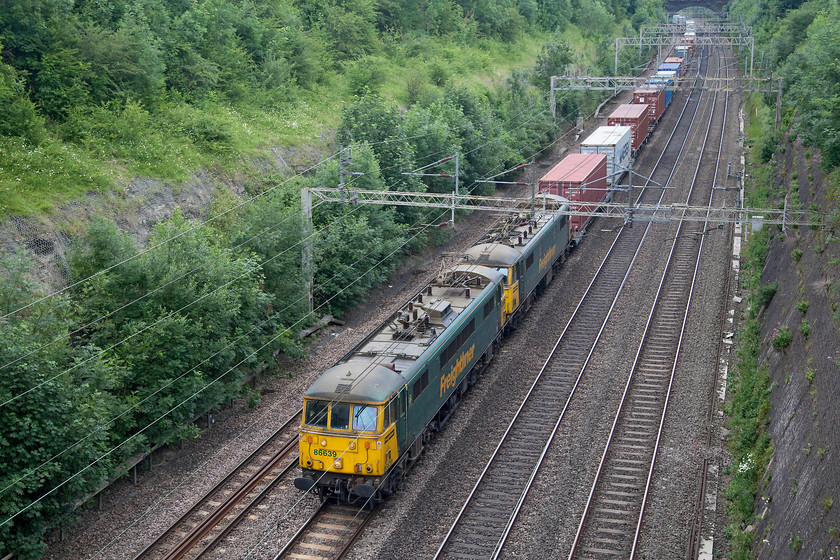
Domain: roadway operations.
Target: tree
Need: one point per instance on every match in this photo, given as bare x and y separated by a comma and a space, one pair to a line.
61, 82
554, 56
352, 256
55, 408
813, 82
125, 64
18, 115
593, 18
350, 26
373, 120
189, 313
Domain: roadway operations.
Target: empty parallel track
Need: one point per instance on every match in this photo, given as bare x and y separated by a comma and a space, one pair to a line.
328, 534
218, 511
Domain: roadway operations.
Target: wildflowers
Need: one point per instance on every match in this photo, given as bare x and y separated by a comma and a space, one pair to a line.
781, 338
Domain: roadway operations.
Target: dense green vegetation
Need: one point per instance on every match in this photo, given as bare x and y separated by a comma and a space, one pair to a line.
95, 93
798, 40
146, 338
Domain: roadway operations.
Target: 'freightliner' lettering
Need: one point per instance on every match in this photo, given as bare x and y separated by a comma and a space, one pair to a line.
448, 381
548, 257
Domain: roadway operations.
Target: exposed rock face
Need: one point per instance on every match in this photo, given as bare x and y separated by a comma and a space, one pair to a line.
135, 209
798, 517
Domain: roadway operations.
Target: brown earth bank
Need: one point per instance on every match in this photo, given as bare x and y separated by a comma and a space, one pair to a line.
796, 515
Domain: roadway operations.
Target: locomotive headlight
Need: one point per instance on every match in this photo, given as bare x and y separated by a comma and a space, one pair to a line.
352, 445
323, 442
369, 469
309, 462
338, 463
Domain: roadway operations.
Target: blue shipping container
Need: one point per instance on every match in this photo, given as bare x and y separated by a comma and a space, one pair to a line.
661, 79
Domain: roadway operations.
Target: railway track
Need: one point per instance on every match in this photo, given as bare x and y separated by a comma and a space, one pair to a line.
228, 504
614, 512
485, 520
328, 534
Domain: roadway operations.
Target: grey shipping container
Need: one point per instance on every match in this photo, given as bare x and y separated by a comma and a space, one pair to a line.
615, 143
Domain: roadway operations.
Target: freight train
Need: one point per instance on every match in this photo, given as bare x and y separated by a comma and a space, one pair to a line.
367, 419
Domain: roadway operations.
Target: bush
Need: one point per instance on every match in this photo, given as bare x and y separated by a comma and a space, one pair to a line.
18, 116
796, 254
781, 338
766, 293
365, 75
805, 328
795, 542
802, 306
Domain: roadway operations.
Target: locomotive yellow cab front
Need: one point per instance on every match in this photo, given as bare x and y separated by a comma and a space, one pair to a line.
347, 437
346, 445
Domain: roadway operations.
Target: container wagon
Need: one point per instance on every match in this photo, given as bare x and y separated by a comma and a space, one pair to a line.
637, 117
614, 142
655, 98
679, 60
671, 66
578, 177
662, 80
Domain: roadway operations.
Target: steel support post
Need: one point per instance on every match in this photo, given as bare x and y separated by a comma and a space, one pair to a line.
554, 99
306, 231
615, 66
779, 105
455, 198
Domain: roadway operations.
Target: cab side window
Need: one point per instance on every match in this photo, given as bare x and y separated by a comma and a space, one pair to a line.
394, 410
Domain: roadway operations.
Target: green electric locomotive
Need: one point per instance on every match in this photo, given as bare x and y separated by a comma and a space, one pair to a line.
366, 419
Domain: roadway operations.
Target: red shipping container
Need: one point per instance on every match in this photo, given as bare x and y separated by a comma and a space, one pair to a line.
655, 98
579, 177
675, 60
634, 115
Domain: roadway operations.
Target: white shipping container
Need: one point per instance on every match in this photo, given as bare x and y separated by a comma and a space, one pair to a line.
615, 143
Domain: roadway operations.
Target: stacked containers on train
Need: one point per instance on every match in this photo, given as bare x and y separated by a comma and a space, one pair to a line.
671, 67
655, 98
682, 51
578, 177
663, 79
677, 59
614, 142
637, 117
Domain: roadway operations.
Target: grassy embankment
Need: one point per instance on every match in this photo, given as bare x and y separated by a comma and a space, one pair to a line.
749, 407
174, 139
